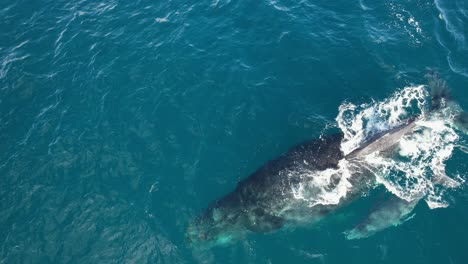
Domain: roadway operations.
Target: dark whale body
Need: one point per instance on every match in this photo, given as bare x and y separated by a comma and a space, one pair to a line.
270, 179
264, 202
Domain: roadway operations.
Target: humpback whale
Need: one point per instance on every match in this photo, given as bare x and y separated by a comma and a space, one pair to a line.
265, 201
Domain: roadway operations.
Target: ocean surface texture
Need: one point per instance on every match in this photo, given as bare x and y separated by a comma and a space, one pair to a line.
121, 121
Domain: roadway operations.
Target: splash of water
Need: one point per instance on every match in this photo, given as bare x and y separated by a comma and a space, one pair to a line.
359, 123
315, 190
415, 170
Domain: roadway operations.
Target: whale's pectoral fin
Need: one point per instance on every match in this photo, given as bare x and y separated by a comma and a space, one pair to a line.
392, 212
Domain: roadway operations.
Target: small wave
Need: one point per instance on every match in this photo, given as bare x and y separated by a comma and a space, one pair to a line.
455, 67
278, 6
10, 59
363, 6
453, 24
377, 34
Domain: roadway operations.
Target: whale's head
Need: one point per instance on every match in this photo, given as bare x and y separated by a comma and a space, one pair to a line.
216, 226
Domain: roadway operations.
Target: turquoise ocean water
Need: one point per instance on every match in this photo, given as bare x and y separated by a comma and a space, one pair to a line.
120, 121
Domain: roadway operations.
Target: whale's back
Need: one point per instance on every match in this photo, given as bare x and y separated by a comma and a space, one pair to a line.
319, 154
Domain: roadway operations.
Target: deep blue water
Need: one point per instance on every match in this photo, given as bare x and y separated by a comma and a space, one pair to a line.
120, 121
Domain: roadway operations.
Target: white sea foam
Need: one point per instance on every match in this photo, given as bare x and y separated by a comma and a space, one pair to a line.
406, 21
314, 188
162, 19
359, 123
415, 170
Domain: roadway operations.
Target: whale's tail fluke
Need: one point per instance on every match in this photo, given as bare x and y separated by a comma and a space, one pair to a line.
442, 97
461, 121
440, 91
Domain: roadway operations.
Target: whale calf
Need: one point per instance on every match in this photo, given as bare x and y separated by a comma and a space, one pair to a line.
266, 201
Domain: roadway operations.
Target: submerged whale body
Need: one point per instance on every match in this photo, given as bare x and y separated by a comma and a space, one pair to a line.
267, 201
